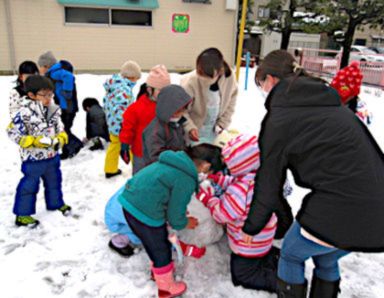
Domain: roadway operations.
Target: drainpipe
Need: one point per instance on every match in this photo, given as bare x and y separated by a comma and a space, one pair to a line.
11, 42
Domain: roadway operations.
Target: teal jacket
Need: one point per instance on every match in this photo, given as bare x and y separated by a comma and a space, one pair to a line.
161, 192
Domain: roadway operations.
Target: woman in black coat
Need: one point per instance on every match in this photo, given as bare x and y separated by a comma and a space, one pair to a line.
330, 152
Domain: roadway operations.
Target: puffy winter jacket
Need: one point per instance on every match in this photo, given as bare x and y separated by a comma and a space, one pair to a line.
135, 119
161, 134
118, 97
96, 123
36, 120
161, 192
329, 151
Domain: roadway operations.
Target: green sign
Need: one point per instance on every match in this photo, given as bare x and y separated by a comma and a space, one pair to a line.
180, 23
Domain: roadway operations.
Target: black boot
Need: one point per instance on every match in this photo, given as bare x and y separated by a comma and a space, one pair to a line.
321, 288
286, 290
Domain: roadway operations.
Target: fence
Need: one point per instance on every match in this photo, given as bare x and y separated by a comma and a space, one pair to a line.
327, 63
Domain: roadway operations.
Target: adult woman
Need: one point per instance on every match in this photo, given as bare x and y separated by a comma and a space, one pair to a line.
328, 150
214, 91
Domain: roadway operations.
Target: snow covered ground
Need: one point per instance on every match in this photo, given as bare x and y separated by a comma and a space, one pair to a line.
69, 257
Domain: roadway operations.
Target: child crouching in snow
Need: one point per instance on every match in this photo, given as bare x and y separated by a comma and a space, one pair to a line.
39, 132
253, 265
158, 195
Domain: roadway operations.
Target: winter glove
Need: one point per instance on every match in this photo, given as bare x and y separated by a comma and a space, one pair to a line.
204, 195
190, 250
214, 177
124, 153
26, 141
42, 142
62, 139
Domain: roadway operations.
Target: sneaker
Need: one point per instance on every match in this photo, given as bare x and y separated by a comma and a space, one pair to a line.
26, 221
65, 209
125, 251
110, 175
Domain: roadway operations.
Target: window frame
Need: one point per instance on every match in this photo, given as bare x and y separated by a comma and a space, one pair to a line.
109, 24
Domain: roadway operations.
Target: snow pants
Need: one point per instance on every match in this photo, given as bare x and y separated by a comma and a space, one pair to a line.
256, 273
112, 156
26, 192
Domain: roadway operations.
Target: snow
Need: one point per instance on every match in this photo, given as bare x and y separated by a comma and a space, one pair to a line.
69, 256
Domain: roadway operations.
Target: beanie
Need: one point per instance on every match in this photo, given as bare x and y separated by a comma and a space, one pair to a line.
130, 69
347, 82
158, 77
46, 59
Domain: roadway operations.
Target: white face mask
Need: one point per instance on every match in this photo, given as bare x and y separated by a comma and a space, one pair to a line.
174, 119
264, 94
202, 176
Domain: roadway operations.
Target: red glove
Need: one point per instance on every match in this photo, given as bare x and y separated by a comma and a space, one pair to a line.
214, 177
190, 250
204, 195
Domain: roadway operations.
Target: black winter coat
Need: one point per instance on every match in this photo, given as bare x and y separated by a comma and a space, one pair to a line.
96, 123
330, 151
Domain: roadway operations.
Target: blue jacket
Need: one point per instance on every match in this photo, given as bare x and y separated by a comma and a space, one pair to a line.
115, 220
64, 84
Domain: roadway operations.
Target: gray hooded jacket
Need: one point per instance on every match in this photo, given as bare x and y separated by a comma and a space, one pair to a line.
162, 134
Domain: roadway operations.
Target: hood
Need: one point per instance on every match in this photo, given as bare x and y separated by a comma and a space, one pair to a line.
171, 99
302, 92
181, 161
242, 155
117, 82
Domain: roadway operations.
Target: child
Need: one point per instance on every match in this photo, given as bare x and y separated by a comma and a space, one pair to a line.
61, 74
40, 133
139, 114
157, 195
253, 265
17, 97
96, 124
119, 96
166, 132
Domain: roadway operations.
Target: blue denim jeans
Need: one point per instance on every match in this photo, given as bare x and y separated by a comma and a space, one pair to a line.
297, 249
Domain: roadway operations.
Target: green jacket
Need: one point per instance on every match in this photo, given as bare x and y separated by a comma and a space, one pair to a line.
161, 192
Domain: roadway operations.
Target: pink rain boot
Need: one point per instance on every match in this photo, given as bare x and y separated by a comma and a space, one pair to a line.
166, 283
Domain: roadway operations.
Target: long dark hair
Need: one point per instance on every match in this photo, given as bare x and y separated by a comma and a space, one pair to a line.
211, 60
209, 153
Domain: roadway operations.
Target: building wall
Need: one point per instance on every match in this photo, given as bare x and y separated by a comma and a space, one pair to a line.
5, 59
39, 26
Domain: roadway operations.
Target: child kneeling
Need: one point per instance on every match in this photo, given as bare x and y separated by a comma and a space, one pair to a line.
39, 132
158, 195
253, 264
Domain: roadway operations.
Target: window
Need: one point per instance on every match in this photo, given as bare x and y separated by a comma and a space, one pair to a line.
86, 15
131, 17
263, 12
107, 16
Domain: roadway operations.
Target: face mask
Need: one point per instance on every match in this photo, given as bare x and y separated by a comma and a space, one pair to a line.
208, 81
202, 176
174, 119
264, 94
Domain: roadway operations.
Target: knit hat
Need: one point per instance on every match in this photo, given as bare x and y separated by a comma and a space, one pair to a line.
347, 82
46, 59
130, 69
158, 77
224, 137
242, 155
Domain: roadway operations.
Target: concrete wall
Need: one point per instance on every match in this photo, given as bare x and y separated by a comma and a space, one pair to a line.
39, 26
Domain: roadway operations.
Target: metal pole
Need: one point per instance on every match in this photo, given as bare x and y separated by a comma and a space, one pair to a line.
247, 60
241, 39
11, 42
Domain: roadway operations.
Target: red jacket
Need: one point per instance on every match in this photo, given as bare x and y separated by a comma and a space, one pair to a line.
135, 119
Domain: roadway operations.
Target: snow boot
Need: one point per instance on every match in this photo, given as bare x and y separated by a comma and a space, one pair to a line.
166, 284
65, 210
286, 290
125, 251
321, 288
26, 221
97, 145
110, 175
